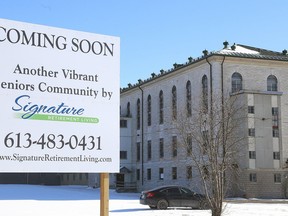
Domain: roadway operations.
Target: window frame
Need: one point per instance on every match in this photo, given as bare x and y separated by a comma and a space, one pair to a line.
123, 155
251, 132
123, 123
161, 173
174, 173
236, 82
149, 103
252, 154
205, 92
138, 110
272, 83
149, 174
174, 102
189, 172
253, 177
161, 148
138, 152
149, 150
188, 98
251, 109
161, 107
277, 178
174, 146
276, 155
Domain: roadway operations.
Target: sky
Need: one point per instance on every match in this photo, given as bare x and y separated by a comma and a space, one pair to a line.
155, 34
27, 200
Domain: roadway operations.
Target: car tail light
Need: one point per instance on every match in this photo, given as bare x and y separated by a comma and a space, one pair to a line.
150, 194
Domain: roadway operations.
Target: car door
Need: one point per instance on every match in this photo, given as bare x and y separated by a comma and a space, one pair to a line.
189, 199
174, 197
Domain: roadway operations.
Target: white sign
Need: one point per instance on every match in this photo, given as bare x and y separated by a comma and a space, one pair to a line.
59, 96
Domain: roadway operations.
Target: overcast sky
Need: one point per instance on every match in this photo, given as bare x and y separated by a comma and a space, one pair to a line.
155, 34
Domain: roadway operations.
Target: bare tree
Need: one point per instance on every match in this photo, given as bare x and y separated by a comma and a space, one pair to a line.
212, 138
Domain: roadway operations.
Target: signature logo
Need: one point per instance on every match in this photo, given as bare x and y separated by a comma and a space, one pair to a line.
26, 109
24, 104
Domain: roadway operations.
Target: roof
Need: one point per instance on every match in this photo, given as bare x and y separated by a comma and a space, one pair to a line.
244, 51
236, 50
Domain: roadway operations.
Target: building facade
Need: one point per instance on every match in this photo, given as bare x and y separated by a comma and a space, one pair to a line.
258, 76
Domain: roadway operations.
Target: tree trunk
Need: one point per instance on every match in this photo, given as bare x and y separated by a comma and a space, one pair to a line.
216, 212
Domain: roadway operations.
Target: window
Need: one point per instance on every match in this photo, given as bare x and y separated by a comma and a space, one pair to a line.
251, 132
149, 110
276, 155
174, 192
236, 82
138, 174
138, 114
148, 174
161, 148
138, 151
174, 103
189, 172
252, 154
161, 173
189, 146
123, 123
272, 83
205, 141
205, 171
128, 110
161, 107
275, 122
277, 178
174, 146
275, 132
149, 150
174, 172
251, 109
123, 155
253, 177
205, 92
188, 99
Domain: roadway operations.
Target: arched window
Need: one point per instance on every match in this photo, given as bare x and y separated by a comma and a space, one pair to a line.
188, 98
205, 92
236, 82
174, 103
149, 110
128, 110
138, 114
272, 84
161, 107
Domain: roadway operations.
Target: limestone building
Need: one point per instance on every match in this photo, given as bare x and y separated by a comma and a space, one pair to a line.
261, 78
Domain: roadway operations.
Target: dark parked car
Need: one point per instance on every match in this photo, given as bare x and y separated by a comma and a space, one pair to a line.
172, 196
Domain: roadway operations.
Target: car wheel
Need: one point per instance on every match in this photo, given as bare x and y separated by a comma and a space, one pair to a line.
203, 205
162, 204
153, 207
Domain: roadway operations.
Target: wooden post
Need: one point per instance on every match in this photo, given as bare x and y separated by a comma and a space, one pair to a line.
104, 194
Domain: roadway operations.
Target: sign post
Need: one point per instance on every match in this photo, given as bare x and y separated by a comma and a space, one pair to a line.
104, 194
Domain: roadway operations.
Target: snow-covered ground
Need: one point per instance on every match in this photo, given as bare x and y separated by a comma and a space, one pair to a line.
40, 200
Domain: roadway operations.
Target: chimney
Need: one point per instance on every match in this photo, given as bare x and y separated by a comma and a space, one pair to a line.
225, 43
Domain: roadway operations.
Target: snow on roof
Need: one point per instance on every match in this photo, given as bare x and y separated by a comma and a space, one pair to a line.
239, 49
